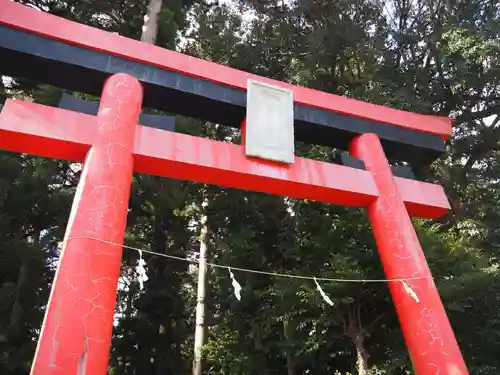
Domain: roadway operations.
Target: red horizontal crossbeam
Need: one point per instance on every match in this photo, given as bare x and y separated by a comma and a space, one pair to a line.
56, 133
24, 18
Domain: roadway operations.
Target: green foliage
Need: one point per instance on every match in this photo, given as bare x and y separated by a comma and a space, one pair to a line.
35, 200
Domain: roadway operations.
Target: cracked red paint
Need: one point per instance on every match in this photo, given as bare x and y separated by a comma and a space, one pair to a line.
426, 328
41, 23
56, 133
86, 282
76, 333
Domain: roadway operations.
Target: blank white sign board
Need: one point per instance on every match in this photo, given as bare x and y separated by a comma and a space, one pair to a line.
269, 123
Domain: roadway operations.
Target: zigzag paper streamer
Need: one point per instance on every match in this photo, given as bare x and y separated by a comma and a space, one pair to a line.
236, 285
410, 291
141, 271
323, 294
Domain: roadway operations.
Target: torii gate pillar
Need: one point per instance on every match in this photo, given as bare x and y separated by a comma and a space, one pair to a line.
428, 334
77, 328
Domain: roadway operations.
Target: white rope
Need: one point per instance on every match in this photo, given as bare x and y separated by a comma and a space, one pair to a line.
401, 279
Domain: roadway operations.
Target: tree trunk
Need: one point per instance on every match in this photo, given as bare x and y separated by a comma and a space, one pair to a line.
289, 358
162, 273
18, 311
17, 316
150, 27
354, 330
199, 337
361, 354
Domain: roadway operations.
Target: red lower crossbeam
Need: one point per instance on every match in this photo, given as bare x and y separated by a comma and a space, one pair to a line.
52, 132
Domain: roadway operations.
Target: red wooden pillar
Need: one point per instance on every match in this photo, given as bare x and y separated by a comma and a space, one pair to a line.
429, 337
76, 333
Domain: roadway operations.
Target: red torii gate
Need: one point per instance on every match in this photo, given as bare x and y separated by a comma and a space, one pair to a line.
76, 333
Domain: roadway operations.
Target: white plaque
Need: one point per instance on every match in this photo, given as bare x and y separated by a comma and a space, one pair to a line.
269, 122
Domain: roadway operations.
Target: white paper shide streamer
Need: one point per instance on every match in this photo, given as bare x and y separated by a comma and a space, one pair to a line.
141, 271
323, 294
410, 291
236, 285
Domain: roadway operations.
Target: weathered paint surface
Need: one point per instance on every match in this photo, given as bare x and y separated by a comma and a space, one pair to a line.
57, 133
77, 330
426, 328
76, 333
41, 23
269, 123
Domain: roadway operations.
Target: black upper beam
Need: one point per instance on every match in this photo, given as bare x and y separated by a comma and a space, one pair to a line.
83, 106
76, 68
